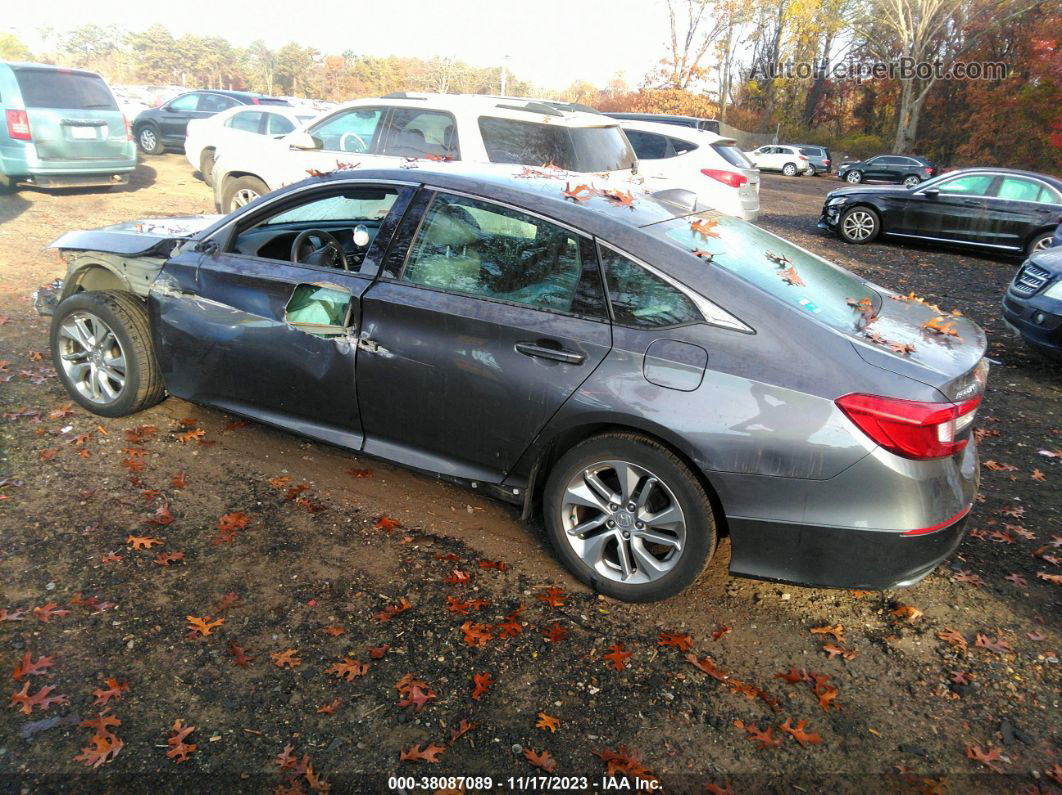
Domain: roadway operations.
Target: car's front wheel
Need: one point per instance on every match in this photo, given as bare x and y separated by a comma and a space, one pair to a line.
629, 518
859, 225
149, 140
101, 349
854, 177
1040, 242
241, 191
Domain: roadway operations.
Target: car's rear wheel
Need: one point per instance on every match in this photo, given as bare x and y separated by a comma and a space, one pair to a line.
859, 225
812, 171
242, 191
206, 167
629, 518
149, 140
789, 169
101, 348
1040, 242
911, 180
855, 177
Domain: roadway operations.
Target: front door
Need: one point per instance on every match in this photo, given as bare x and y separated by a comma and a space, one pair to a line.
265, 324
953, 209
484, 321
175, 115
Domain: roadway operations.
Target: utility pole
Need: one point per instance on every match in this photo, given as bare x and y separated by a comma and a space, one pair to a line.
504, 73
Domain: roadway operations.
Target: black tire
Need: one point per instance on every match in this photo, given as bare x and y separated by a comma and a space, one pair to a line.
7, 184
858, 225
789, 169
126, 316
149, 140
812, 171
854, 177
1039, 242
672, 471
206, 167
911, 180
238, 187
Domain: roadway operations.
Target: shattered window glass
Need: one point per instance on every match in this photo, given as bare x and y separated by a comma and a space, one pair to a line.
478, 248
640, 298
319, 308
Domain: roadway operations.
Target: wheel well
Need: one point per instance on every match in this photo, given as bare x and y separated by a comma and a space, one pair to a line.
94, 277
568, 439
1037, 233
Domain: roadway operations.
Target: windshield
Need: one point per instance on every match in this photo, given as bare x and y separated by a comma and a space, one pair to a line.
583, 149
794, 276
54, 88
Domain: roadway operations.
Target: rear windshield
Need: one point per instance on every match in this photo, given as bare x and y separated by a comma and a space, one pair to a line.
790, 274
52, 88
571, 148
733, 155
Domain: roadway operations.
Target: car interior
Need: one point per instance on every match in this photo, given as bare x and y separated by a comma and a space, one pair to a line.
335, 231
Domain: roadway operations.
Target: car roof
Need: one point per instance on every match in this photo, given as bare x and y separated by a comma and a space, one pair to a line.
692, 134
15, 65
631, 116
517, 108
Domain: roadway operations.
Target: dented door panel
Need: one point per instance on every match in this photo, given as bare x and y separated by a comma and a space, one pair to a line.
222, 338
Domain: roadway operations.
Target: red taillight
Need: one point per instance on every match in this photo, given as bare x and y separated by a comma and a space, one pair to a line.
802, 157
731, 178
254, 101
128, 129
910, 428
825, 162
18, 125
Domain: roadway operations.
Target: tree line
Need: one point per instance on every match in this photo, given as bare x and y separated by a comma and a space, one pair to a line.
714, 63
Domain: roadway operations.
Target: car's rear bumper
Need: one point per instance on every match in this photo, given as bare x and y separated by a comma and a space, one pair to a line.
838, 557
1038, 320
104, 179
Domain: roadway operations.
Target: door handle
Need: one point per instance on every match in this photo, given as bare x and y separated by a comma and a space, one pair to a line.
971, 202
546, 352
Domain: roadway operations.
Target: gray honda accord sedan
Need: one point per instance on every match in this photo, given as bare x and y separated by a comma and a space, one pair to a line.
647, 375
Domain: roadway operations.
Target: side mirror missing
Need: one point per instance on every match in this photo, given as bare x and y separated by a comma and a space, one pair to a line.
302, 140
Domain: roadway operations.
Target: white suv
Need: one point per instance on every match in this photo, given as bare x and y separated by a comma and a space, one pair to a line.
402, 128
787, 159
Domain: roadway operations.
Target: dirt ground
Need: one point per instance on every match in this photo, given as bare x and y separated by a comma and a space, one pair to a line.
293, 530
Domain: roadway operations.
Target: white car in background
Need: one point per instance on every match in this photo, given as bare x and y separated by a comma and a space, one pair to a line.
399, 129
709, 165
235, 127
787, 159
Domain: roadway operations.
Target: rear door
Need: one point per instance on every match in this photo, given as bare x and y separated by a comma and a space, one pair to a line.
1018, 207
484, 321
72, 116
251, 329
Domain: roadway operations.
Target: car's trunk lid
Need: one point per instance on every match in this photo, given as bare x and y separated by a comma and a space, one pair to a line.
72, 115
911, 337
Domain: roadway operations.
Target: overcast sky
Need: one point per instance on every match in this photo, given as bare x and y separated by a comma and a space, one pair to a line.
550, 42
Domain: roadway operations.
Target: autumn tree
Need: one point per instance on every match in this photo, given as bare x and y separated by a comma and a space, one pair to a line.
12, 48
694, 26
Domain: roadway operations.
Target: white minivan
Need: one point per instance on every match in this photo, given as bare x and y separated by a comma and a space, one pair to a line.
709, 165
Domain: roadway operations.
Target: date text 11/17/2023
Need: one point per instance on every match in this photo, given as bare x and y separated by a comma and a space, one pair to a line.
522, 783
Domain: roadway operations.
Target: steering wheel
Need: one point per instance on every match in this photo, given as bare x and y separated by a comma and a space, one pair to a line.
327, 252
343, 140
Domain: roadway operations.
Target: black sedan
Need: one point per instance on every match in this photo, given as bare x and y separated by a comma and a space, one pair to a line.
907, 170
155, 129
991, 208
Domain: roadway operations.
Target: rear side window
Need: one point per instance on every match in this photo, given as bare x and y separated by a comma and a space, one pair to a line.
248, 121
642, 299
811, 151
420, 133
796, 277
732, 155
571, 148
647, 146
53, 88
1025, 190
484, 250
278, 125
215, 103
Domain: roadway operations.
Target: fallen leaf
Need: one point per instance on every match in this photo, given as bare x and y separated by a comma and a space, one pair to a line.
333, 631
166, 558
387, 524
114, 690
161, 517
953, 637
837, 632
348, 669
998, 646
204, 626
543, 760
29, 668
415, 754
617, 657
463, 728
286, 659
143, 542
476, 634
44, 614
554, 633
987, 758
377, 652
40, 699
391, 611
482, 683
907, 611
553, 596
682, 642
722, 630
179, 749
833, 650
797, 732
763, 739
239, 655
329, 708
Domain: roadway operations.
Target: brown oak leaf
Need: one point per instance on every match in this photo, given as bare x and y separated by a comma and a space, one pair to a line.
179, 749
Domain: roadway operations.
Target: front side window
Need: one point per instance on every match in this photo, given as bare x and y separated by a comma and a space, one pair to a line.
412, 132
247, 121
185, 103
488, 251
350, 131
971, 185
642, 299
586, 149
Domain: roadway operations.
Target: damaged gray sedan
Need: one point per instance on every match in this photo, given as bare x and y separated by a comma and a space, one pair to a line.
647, 375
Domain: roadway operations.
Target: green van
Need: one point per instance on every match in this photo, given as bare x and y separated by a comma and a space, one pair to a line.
61, 128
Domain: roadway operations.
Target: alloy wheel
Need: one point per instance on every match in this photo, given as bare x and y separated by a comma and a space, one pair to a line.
148, 140
859, 225
854, 177
910, 182
92, 358
1043, 244
623, 521
243, 197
